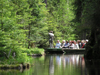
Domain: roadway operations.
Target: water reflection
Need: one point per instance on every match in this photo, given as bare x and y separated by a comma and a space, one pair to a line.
66, 64
51, 66
59, 65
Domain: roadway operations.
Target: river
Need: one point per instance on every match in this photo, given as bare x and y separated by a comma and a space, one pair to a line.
55, 64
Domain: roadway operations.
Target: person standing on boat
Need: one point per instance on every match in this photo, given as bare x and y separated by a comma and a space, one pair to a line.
51, 37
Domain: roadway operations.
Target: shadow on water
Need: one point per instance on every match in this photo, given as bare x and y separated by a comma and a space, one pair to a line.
93, 67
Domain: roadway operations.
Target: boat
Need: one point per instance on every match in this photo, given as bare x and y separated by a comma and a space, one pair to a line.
53, 50
74, 51
65, 50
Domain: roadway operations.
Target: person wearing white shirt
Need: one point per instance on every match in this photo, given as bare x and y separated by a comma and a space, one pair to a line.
76, 46
58, 44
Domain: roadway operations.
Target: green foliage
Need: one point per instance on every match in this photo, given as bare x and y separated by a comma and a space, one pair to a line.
33, 51
23, 58
24, 25
12, 21
60, 19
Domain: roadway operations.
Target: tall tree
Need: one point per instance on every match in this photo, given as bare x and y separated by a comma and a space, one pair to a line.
15, 15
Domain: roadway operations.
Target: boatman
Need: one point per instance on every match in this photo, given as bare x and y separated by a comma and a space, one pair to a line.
51, 37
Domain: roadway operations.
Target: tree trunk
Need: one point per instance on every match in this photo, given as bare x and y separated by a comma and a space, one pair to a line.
45, 2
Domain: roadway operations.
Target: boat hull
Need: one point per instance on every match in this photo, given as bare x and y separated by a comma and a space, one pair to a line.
53, 50
65, 50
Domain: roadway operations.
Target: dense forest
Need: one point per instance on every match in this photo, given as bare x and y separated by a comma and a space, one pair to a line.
24, 24
88, 17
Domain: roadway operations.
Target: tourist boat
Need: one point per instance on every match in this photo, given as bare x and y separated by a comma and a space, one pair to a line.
65, 50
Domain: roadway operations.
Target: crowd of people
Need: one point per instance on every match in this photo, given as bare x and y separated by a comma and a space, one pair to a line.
67, 44
71, 44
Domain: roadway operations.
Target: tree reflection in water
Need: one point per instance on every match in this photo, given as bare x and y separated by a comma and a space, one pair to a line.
93, 66
55, 64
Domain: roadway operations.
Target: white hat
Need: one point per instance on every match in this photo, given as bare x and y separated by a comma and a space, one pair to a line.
87, 40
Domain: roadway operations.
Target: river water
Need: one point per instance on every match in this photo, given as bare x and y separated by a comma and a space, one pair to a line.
56, 64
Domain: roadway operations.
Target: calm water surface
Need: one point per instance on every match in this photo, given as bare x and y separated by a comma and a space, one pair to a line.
56, 65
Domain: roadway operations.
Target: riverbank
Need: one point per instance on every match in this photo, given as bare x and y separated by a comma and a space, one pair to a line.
23, 61
15, 66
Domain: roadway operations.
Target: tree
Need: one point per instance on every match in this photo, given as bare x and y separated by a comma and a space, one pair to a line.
87, 16
13, 18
